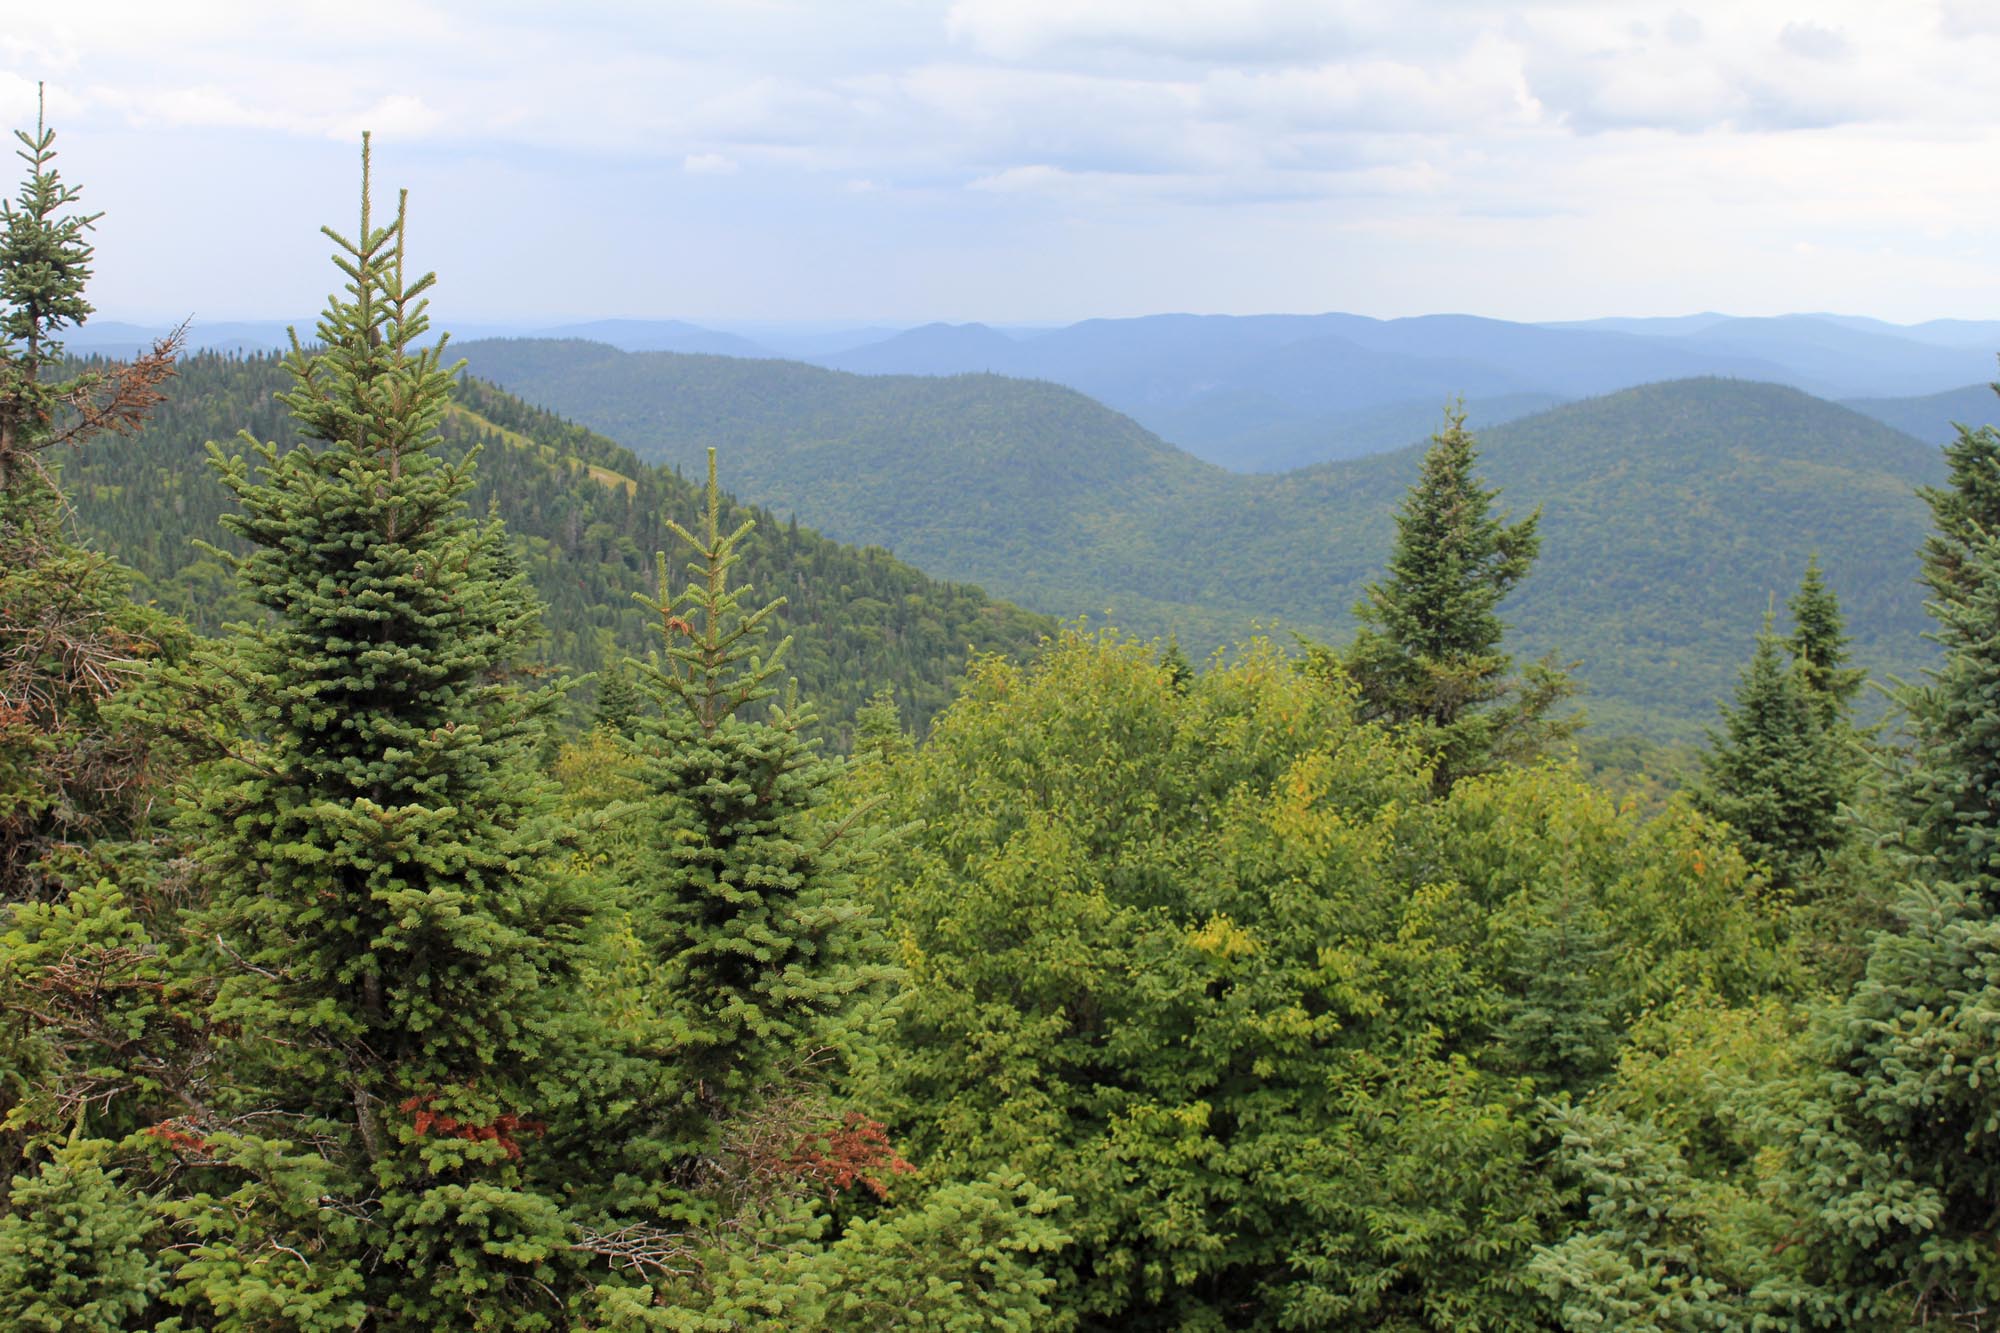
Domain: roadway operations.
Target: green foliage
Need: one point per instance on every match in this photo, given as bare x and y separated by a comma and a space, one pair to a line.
79, 1252
93, 1030
101, 1032
878, 727
70, 771
1688, 500
584, 517
1778, 772
746, 905
967, 1259
1819, 645
393, 957
1600, 915
1204, 956
618, 700
1243, 998
1685, 1222
1643, 1258
1428, 656
45, 261
1899, 1160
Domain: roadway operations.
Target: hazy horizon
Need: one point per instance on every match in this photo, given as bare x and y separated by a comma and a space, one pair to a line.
859, 323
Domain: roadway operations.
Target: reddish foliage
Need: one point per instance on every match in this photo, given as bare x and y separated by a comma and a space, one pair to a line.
180, 1140
857, 1153
502, 1131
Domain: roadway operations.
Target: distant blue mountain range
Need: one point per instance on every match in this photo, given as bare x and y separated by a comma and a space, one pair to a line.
1262, 393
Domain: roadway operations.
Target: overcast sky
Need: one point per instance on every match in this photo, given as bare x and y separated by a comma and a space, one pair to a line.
1040, 160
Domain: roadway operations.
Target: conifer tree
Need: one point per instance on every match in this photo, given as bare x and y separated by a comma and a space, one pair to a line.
618, 700
878, 727
79, 1252
1899, 1160
1428, 656
91, 1034
1774, 773
1964, 511
747, 906
1818, 645
394, 959
69, 635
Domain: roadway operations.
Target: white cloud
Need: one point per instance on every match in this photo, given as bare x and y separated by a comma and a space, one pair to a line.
1710, 129
1809, 39
1202, 31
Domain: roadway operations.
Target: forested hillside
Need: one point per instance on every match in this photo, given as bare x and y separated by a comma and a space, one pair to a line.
1697, 499
1933, 418
587, 518
1225, 387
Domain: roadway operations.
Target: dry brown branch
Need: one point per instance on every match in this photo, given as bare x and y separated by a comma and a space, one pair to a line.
642, 1249
134, 391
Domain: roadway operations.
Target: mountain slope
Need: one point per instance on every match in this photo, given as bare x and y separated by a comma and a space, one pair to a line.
1673, 511
1014, 477
1219, 385
660, 335
1936, 417
933, 349
1303, 442
587, 517
1825, 357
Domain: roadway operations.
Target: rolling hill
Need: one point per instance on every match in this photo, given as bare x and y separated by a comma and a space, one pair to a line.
586, 516
1219, 385
1673, 511
1267, 393
1933, 418
1263, 392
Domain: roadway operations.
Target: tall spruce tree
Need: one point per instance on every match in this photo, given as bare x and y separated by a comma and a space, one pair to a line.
69, 634
1776, 773
1429, 654
747, 906
93, 1035
394, 957
1818, 644
1899, 1161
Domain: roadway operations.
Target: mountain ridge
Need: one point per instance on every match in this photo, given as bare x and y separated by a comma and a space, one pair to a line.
1703, 497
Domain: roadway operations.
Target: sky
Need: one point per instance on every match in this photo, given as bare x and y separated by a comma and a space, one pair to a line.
1025, 161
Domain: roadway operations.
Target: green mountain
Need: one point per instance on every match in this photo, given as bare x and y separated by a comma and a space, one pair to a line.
1674, 511
587, 517
1260, 438
1934, 417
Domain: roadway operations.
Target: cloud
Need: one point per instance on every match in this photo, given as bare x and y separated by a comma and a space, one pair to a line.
204, 106
1016, 180
1483, 86
1968, 18
1198, 31
1408, 125
1814, 42
399, 115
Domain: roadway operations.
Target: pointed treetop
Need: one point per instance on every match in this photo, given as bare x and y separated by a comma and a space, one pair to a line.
1773, 772
1454, 560
713, 666
44, 257
1965, 511
1818, 644
1429, 654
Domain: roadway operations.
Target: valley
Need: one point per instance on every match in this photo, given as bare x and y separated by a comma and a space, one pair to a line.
1696, 499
